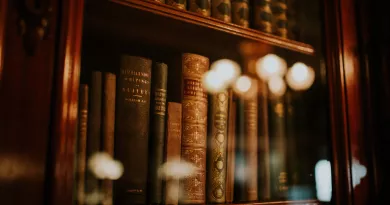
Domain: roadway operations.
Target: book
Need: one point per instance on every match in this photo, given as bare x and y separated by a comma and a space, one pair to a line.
239, 191
94, 128
279, 9
221, 9
157, 130
173, 150
132, 129
108, 128
264, 172
230, 150
179, 4
217, 141
82, 143
250, 140
240, 12
262, 15
194, 127
201, 7
277, 133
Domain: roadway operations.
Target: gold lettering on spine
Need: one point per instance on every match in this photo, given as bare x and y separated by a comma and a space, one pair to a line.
160, 97
135, 81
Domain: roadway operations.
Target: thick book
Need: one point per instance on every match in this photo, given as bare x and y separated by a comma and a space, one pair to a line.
231, 145
222, 10
94, 128
250, 141
82, 143
157, 130
202, 7
173, 150
277, 134
262, 17
194, 122
217, 142
264, 173
132, 129
108, 129
240, 12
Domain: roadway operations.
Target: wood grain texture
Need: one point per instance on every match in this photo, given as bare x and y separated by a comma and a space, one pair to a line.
25, 94
215, 24
64, 116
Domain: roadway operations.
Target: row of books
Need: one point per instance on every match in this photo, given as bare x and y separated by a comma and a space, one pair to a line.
133, 116
269, 16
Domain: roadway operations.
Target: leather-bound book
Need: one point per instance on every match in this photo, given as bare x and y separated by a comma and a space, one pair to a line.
132, 129
262, 15
82, 143
231, 145
173, 150
240, 12
157, 130
94, 127
279, 9
201, 7
194, 122
278, 148
179, 4
217, 141
221, 9
108, 128
264, 172
250, 139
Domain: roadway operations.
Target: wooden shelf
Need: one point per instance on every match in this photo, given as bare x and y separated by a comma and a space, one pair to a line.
164, 25
302, 202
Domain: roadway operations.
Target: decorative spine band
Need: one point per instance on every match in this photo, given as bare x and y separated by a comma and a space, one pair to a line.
263, 16
280, 11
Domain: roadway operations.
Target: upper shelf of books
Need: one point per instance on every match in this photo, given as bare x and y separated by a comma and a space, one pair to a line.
158, 23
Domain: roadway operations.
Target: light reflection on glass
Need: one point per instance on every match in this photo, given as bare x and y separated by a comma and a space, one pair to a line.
103, 166
323, 176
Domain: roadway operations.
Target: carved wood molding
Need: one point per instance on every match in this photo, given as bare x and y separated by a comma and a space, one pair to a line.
34, 18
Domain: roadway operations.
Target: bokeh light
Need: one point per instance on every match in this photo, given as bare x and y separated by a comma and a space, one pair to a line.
226, 69
213, 83
270, 65
277, 86
300, 76
177, 169
103, 166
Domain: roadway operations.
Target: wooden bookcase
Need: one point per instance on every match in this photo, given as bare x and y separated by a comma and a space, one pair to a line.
39, 129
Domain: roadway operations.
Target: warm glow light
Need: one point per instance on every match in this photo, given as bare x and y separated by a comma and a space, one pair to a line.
103, 166
323, 177
270, 65
243, 84
226, 69
277, 86
177, 169
213, 83
300, 76
359, 171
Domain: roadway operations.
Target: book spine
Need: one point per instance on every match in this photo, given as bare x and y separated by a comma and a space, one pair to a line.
201, 7
240, 158
82, 143
240, 12
132, 129
280, 15
263, 15
216, 173
231, 150
108, 128
94, 127
278, 137
221, 9
173, 149
250, 134
157, 130
194, 122
179, 4
263, 143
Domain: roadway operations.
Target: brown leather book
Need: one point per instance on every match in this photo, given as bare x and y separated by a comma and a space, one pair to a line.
262, 15
94, 128
231, 145
108, 128
194, 122
264, 172
240, 12
179, 4
132, 129
82, 143
173, 150
222, 10
217, 141
202, 7
250, 141
157, 130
